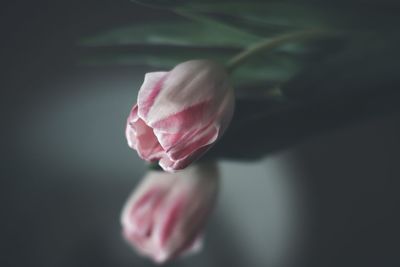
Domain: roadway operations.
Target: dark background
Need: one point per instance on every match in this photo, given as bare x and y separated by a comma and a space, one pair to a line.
331, 200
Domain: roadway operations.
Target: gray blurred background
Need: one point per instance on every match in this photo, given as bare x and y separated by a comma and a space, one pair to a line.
329, 201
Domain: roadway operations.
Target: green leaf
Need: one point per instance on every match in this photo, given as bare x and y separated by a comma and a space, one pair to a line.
341, 15
277, 67
183, 33
163, 57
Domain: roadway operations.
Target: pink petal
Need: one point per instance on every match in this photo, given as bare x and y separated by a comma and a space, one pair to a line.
151, 87
165, 215
141, 137
143, 211
147, 144
130, 131
172, 166
188, 84
200, 139
186, 119
182, 144
185, 152
171, 218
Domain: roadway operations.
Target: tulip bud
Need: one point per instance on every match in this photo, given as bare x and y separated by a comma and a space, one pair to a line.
179, 114
165, 215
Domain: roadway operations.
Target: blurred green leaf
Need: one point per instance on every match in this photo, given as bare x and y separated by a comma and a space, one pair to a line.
314, 14
163, 57
271, 17
250, 26
275, 67
172, 3
183, 33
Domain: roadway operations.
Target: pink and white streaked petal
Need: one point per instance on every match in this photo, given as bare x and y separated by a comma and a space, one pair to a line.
200, 139
188, 84
130, 131
147, 144
174, 144
143, 211
141, 137
184, 153
165, 216
170, 141
182, 121
151, 87
172, 166
147, 191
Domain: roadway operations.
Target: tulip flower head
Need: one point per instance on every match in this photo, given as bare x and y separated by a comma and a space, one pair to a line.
179, 114
165, 215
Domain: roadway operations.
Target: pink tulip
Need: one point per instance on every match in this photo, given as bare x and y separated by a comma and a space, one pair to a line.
165, 215
179, 114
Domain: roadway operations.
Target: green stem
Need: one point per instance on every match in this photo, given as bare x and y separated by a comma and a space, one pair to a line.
268, 45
